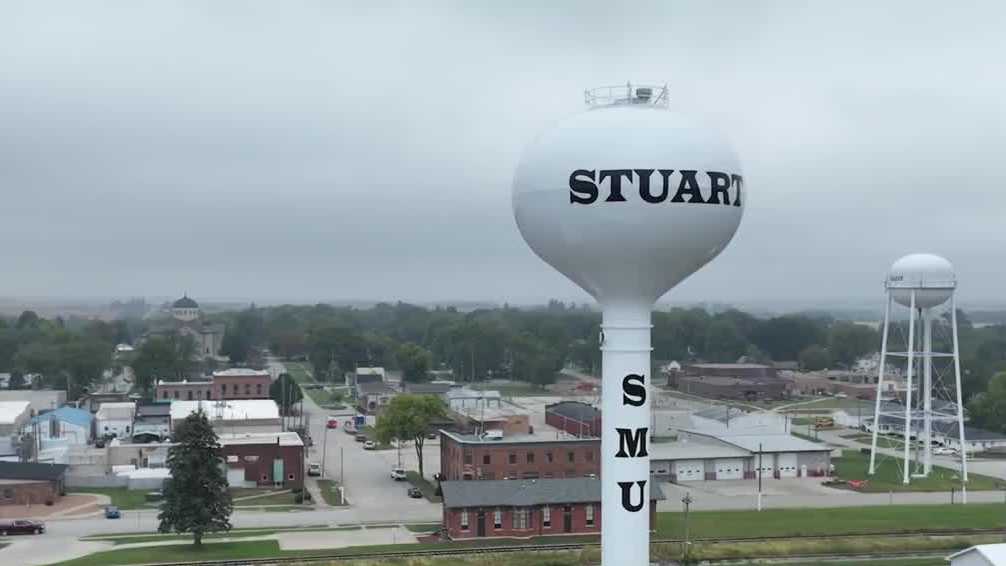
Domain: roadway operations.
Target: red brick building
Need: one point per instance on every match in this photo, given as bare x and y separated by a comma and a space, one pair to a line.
271, 459
228, 384
526, 456
526, 508
30, 483
574, 417
241, 383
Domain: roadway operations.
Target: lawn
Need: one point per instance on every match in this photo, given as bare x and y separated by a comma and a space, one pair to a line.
179, 553
278, 498
422, 527
429, 490
841, 520
121, 497
854, 465
329, 490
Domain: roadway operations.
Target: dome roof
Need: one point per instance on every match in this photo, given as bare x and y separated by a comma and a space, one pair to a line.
185, 303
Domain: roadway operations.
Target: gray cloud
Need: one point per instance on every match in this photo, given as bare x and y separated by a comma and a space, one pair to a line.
328, 150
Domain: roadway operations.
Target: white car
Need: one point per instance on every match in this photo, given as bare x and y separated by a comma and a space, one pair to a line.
314, 469
398, 474
369, 445
942, 451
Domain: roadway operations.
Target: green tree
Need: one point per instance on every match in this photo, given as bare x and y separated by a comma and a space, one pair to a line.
724, 342
409, 417
848, 341
285, 392
28, 319
814, 357
414, 361
163, 357
196, 499
988, 409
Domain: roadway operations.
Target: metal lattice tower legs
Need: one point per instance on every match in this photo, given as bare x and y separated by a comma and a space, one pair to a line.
927, 392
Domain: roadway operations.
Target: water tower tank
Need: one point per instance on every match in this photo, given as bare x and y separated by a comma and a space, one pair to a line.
930, 276
628, 197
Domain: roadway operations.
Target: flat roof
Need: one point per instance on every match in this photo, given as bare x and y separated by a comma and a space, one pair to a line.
165, 383
574, 410
239, 409
281, 438
491, 413
240, 372
523, 493
11, 411
542, 438
730, 366
694, 450
768, 442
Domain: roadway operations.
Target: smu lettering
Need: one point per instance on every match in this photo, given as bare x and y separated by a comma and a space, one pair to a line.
584, 186
632, 443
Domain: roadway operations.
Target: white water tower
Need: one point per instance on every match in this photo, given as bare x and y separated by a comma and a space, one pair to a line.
627, 199
921, 282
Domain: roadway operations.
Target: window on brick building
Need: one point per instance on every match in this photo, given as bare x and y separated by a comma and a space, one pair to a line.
498, 518
520, 517
548, 457
530, 457
468, 457
589, 510
247, 388
189, 394
546, 516
486, 459
571, 456
176, 394
464, 520
164, 394
513, 458
258, 388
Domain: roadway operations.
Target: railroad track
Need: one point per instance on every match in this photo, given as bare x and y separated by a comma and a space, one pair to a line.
559, 547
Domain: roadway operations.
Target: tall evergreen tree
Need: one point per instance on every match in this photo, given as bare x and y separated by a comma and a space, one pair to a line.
196, 499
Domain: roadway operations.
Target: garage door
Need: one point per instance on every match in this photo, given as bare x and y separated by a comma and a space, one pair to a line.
689, 470
660, 468
766, 468
787, 465
729, 469
236, 477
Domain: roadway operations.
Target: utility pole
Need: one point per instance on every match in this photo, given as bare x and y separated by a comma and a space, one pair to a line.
759, 474
324, 449
687, 500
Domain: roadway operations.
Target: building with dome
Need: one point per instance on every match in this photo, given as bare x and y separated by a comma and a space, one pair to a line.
187, 320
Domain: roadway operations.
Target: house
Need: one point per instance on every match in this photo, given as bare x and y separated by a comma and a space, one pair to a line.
526, 508
431, 388
13, 416
264, 459
371, 396
93, 401
246, 415
365, 375
152, 423
115, 419
30, 483
980, 555
464, 398
528, 456
700, 455
64, 426
574, 417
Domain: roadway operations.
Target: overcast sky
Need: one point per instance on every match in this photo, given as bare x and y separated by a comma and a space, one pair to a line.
308, 151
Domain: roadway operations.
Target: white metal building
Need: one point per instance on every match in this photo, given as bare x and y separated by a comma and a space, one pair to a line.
464, 398
13, 415
244, 415
115, 419
980, 555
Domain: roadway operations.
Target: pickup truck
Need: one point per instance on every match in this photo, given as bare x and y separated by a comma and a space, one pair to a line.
21, 527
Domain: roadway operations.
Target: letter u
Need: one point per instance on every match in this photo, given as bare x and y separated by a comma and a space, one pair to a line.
627, 503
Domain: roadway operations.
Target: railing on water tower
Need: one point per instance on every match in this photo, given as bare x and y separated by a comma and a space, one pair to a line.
644, 94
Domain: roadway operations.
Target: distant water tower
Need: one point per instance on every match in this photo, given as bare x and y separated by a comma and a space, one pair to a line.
921, 282
627, 199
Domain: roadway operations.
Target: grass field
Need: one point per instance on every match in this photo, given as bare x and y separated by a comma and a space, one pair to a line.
329, 490
888, 475
277, 498
841, 520
324, 398
121, 497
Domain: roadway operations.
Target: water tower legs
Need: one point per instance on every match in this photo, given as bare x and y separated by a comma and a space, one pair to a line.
908, 390
960, 400
880, 385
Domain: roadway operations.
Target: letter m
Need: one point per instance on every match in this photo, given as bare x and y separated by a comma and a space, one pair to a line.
631, 444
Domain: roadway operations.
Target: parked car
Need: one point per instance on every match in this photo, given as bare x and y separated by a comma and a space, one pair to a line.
112, 512
415, 493
943, 451
361, 437
369, 445
21, 527
398, 474
314, 469
432, 435
333, 422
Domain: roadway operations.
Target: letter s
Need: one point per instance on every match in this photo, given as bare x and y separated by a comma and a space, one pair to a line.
582, 191
633, 390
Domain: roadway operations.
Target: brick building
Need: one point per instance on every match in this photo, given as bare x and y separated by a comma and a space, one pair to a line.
574, 417
526, 456
748, 382
526, 508
228, 384
264, 459
30, 484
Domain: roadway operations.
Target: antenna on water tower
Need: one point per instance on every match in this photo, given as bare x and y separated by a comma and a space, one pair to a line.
627, 199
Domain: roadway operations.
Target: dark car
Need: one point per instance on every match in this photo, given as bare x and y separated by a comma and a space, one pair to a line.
21, 527
415, 493
361, 438
112, 512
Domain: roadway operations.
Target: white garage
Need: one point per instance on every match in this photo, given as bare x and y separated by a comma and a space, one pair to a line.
786, 463
689, 470
730, 469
